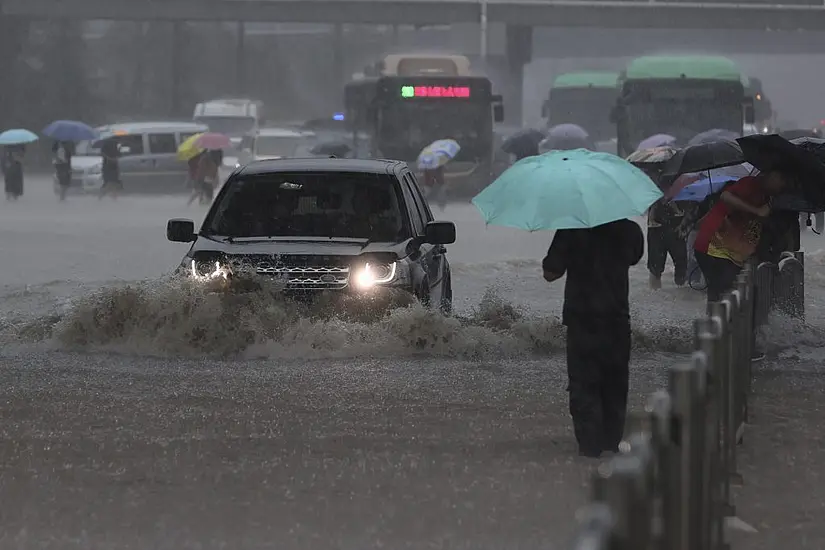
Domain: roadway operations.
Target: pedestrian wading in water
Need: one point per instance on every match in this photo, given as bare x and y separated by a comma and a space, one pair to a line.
12, 164
597, 315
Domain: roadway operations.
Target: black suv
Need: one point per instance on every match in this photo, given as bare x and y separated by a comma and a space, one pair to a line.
317, 225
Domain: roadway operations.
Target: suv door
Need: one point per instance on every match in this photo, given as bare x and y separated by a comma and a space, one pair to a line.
167, 173
432, 259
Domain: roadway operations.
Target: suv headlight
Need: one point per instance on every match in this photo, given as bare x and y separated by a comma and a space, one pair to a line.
370, 274
95, 170
208, 271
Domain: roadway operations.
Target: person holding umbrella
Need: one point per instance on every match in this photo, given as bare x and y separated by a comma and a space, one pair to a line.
110, 150
13, 171
14, 148
586, 197
431, 161
66, 133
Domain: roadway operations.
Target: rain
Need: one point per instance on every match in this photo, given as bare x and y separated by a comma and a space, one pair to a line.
139, 409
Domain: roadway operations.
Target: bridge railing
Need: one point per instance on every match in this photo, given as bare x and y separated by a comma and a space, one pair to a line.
670, 487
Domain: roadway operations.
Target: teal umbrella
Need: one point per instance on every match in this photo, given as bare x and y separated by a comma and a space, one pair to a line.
566, 190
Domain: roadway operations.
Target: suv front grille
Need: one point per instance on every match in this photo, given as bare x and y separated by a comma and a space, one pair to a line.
307, 277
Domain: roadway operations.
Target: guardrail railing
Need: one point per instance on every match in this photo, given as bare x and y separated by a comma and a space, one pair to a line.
670, 487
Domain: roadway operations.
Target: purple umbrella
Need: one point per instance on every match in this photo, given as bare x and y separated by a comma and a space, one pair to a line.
568, 131
716, 134
657, 140
565, 137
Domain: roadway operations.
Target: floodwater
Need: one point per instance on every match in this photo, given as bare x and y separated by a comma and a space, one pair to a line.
142, 413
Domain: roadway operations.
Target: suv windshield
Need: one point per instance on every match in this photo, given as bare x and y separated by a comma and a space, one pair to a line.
310, 204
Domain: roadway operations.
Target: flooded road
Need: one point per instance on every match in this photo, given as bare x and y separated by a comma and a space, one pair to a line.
145, 418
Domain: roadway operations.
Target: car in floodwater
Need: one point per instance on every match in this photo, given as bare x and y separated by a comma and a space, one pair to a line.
349, 226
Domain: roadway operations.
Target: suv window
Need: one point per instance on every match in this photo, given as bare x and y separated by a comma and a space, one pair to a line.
130, 145
415, 211
420, 201
186, 135
161, 144
311, 204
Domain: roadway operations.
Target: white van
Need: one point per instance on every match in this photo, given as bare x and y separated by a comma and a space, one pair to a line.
232, 117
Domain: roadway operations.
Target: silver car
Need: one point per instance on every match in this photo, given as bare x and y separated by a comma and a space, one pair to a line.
148, 157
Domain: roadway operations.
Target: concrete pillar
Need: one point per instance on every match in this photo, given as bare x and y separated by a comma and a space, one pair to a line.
177, 76
13, 33
240, 60
338, 78
395, 36
518, 52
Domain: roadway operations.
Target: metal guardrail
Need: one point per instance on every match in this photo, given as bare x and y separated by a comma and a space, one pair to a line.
670, 487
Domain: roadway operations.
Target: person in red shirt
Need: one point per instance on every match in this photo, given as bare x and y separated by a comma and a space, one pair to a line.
729, 234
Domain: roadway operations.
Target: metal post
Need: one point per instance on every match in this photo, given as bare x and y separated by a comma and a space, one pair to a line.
685, 387
707, 334
661, 427
596, 529
619, 485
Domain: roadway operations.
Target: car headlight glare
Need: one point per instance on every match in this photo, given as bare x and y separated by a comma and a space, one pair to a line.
374, 274
208, 272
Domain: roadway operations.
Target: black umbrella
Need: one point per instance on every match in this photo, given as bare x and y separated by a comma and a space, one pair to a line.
523, 143
333, 148
793, 135
702, 157
803, 160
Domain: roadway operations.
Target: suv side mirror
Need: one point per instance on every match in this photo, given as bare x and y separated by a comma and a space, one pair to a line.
439, 233
179, 230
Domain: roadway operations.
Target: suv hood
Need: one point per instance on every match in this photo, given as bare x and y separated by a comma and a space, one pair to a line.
299, 246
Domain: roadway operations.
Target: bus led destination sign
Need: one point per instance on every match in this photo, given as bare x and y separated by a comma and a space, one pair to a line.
435, 91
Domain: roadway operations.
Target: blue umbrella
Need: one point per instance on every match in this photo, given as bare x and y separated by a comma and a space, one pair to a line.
566, 190
437, 154
17, 136
698, 191
717, 134
70, 130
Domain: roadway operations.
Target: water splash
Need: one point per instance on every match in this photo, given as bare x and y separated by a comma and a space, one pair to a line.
179, 318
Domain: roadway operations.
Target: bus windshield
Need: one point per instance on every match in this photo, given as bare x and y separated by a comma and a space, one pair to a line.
681, 118
408, 127
586, 107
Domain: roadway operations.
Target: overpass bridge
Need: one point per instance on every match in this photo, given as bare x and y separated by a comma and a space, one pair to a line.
671, 14
571, 28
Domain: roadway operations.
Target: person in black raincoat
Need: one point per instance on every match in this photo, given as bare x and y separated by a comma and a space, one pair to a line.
112, 184
62, 152
13, 171
597, 315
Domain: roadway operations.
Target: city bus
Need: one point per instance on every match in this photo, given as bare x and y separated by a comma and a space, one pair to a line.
681, 96
584, 99
399, 115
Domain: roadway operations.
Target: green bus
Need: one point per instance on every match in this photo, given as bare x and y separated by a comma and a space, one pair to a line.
682, 96
585, 99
